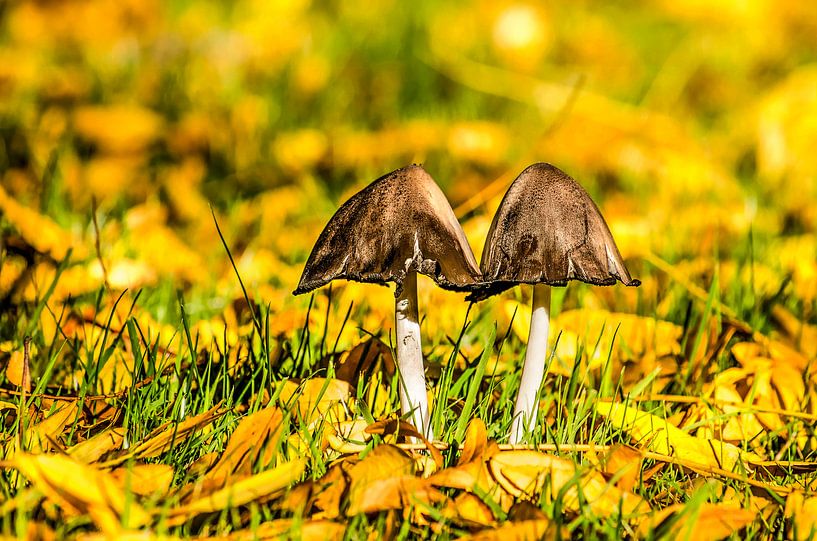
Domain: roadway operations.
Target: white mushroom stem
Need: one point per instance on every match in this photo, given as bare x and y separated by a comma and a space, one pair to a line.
413, 398
533, 371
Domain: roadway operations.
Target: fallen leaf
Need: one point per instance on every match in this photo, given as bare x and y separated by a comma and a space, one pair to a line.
41, 232
471, 476
525, 474
287, 528
476, 441
144, 479
348, 437
660, 436
709, 522
383, 463
80, 489
98, 445
329, 491
363, 358
622, 465
170, 434
317, 398
118, 128
253, 443
802, 511
518, 531
17, 371
472, 511
256, 487
41, 435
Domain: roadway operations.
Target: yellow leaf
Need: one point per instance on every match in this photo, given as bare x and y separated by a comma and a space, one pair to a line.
118, 128
803, 513
709, 522
253, 443
39, 231
329, 491
662, 437
51, 429
263, 485
348, 436
80, 489
144, 479
97, 446
287, 528
524, 474
469, 476
172, 434
383, 462
473, 511
318, 398
518, 531
17, 371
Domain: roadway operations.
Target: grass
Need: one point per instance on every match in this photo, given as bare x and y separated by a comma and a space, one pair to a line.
242, 377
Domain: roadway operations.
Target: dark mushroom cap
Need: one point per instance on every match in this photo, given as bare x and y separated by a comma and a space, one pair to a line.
399, 223
547, 230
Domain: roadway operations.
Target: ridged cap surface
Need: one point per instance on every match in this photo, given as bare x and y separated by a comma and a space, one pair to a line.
399, 223
548, 230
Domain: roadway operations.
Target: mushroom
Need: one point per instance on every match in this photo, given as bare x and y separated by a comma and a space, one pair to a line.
399, 225
546, 232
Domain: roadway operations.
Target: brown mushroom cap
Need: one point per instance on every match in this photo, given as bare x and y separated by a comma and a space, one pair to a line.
399, 223
547, 230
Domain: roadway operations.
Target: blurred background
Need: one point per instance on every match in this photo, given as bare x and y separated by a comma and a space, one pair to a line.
123, 121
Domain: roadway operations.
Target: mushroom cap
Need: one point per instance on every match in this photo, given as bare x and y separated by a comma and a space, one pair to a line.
547, 230
399, 223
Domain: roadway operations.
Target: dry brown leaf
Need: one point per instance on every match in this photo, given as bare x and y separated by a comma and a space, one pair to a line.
202, 465
362, 358
298, 500
524, 474
144, 479
80, 489
394, 492
518, 531
710, 522
525, 510
264, 485
660, 436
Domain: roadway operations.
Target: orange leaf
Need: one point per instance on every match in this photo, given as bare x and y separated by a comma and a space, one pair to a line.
476, 441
